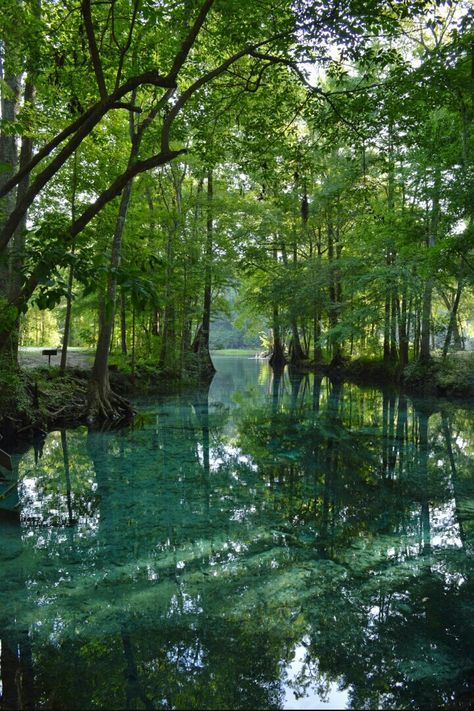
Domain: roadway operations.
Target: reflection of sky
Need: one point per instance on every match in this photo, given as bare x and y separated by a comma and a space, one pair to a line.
233, 373
223, 454
333, 697
445, 530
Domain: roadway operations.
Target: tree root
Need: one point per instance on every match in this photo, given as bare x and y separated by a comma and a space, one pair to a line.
104, 404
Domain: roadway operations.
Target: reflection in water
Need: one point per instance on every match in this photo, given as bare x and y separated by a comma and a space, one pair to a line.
279, 541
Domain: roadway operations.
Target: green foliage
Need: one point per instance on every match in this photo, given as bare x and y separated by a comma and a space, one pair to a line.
13, 395
455, 376
8, 314
419, 375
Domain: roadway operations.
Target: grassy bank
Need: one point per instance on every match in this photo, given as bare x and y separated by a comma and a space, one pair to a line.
451, 377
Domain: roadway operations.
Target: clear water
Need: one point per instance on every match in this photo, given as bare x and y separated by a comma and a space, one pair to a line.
269, 544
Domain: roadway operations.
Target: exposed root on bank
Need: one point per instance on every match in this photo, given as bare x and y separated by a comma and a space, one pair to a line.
45, 400
104, 404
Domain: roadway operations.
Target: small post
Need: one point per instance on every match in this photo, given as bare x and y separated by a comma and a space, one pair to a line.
50, 352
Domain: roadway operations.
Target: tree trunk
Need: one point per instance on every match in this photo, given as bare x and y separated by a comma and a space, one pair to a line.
167, 360
295, 350
200, 346
425, 350
277, 358
336, 352
297, 353
189, 268
67, 320
458, 337
452, 325
133, 341
402, 330
417, 331
389, 347
9, 157
317, 352
386, 330
123, 323
102, 403
393, 325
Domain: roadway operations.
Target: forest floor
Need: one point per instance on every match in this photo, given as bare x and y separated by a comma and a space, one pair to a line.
84, 357
76, 358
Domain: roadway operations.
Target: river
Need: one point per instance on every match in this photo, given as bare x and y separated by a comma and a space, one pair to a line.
274, 542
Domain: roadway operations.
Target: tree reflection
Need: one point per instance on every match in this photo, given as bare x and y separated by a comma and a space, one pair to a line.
207, 546
16, 662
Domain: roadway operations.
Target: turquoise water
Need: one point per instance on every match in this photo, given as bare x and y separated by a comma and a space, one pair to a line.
272, 543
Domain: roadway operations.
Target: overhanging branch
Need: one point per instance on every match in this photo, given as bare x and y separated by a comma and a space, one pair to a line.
105, 197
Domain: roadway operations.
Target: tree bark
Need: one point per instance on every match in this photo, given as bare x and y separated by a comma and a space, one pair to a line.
123, 323
9, 157
201, 342
102, 403
67, 320
336, 351
317, 350
393, 325
277, 358
402, 330
452, 325
167, 360
295, 351
425, 350
389, 338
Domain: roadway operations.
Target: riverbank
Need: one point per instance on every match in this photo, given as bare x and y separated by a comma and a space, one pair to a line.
452, 377
36, 400
37, 397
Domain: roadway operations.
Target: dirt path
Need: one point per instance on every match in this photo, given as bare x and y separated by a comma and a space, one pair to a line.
76, 358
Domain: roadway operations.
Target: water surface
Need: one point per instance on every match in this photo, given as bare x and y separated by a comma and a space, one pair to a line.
274, 542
